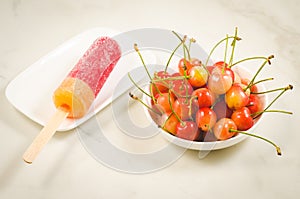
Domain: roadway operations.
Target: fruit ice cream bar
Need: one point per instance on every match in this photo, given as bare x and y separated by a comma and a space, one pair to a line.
78, 90
83, 83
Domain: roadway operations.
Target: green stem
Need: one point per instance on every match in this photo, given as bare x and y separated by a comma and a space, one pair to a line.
143, 103
247, 59
259, 137
170, 79
271, 111
145, 67
141, 57
171, 56
216, 45
233, 47
226, 48
289, 87
251, 82
183, 40
171, 106
163, 125
192, 40
263, 80
136, 85
269, 91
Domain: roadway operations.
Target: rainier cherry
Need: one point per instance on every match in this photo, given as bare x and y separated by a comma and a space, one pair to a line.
219, 82
159, 83
222, 129
198, 76
224, 66
235, 97
253, 87
206, 118
183, 66
206, 98
255, 104
169, 122
185, 108
163, 100
187, 130
242, 118
181, 88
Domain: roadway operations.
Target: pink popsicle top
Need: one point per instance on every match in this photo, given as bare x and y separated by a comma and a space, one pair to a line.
96, 64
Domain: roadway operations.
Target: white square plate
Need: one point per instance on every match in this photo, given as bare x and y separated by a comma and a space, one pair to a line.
31, 91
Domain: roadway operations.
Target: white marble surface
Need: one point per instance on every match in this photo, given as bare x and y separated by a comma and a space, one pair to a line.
64, 169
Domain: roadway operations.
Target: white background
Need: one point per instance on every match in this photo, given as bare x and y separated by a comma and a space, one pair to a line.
64, 169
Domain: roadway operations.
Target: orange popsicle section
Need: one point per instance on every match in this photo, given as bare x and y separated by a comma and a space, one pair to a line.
75, 96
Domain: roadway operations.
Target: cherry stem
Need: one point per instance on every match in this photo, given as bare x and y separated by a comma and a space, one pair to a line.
184, 59
233, 47
185, 50
170, 78
192, 40
216, 45
259, 137
141, 57
136, 85
146, 69
172, 54
270, 91
267, 60
289, 87
226, 48
271, 111
143, 103
162, 126
171, 106
163, 81
159, 80
252, 58
263, 80
183, 42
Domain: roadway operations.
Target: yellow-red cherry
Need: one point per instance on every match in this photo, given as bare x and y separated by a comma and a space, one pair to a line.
206, 98
185, 108
236, 97
222, 129
165, 101
183, 66
169, 122
206, 118
160, 83
224, 66
242, 118
219, 82
198, 76
181, 87
187, 130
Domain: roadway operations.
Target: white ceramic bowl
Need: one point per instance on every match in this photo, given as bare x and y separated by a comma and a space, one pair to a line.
215, 145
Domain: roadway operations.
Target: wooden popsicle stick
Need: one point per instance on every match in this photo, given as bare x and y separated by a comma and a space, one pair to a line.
45, 135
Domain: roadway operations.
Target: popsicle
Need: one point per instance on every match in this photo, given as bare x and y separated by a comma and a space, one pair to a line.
75, 95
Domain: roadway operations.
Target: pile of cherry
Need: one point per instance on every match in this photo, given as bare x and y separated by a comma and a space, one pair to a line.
204, 102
